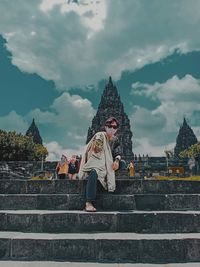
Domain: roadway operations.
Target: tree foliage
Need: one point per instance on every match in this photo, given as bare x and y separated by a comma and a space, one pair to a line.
40, 152
192, 151
17, 147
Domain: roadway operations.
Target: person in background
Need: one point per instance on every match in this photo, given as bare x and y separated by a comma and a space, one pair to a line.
73, 168
100, 161
62, 167
131, 169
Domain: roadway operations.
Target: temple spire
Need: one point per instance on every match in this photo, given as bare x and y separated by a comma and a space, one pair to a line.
110, 81
185, 138
34, 132
111, 106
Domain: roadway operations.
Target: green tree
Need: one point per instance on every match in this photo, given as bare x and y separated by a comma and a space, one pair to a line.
17, 147
193, 151
40, 152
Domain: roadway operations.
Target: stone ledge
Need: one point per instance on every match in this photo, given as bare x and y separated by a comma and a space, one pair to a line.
104, 202
80, 222
124, 186
107, 247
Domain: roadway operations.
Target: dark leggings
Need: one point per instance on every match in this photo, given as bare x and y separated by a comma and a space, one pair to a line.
91, 187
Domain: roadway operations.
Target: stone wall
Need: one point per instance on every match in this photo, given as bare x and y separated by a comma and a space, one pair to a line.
24, 169
144, 166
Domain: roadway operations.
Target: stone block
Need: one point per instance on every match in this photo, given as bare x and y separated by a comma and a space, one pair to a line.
52, 202
118, 251
111, 201
18, 202
31, 249
97, 222
68, 187
24, 222
12, 187
192, 250
182, 202
75, 250
60, 223
4, 249
40, 187
162, 251
149, 202
3, 221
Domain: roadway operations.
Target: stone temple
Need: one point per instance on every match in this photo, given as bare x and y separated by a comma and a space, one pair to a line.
111, 106
185, 138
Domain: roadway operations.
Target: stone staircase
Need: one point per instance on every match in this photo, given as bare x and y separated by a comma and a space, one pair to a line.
142, 222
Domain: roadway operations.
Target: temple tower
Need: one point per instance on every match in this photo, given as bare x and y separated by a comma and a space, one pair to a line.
185, 138
111, 106
34, 132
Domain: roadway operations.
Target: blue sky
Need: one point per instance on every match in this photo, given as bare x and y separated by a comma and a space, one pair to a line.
56, 57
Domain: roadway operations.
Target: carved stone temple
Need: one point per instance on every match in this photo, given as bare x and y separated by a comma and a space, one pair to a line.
111, 106
185, 138
34, 132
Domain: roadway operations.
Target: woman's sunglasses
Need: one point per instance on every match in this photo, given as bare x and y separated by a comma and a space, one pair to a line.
112, 126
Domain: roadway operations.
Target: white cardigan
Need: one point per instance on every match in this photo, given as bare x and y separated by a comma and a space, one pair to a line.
101, 162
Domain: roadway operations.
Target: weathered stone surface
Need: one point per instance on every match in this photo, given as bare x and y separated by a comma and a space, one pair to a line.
193, 250
60, 223
4, 249
75, 250
124, 186
98, 222
3, 221
12, 186
18, 202
69, 187
52, 202
116, 236
107, 201
31, 249
24, 222
103, 250
40, 187
115, 202
162, 251
167, 202
119, 251
74, 222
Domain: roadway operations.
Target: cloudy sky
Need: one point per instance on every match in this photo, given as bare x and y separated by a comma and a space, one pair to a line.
56, 57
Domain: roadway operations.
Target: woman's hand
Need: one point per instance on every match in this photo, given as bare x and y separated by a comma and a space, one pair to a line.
115, 165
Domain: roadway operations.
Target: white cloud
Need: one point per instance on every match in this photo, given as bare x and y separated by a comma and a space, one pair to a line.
56, 150
13, 122
50, 37
144, 147
177, 98
66, 121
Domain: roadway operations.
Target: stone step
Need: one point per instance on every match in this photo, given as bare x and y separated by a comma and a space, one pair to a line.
101, 247
108, 201
123, 186
42, 221
91, 264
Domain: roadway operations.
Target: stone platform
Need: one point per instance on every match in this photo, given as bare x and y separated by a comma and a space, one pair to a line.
142, 222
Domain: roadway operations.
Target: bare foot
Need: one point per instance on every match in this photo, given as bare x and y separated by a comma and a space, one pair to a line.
89, 207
